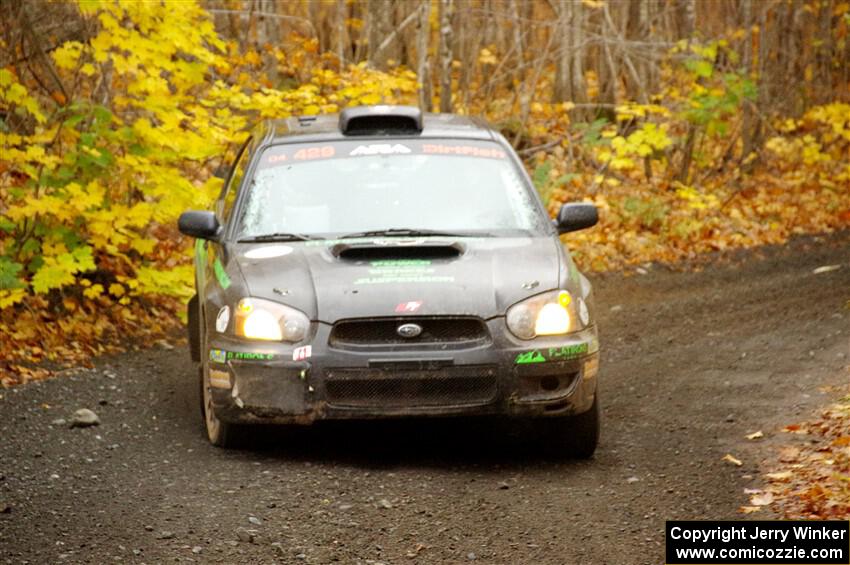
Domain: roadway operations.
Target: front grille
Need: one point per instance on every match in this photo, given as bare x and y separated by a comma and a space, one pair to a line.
452, 330
380, 388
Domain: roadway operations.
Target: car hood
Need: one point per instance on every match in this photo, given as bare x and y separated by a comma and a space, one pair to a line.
330, 280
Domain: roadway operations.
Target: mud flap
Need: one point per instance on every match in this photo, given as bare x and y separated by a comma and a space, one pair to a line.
271, 388
194, 329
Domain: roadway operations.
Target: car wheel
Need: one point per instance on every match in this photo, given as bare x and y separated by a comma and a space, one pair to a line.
219, 432
574, 436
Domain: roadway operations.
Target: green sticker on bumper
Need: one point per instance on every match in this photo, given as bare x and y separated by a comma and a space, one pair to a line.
552, 354
529, 357
567, 351
249, 355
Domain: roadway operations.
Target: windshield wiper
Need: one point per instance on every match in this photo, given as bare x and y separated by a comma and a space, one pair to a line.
279, 236
408, 232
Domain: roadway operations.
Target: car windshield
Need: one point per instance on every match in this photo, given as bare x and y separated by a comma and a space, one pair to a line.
407, 186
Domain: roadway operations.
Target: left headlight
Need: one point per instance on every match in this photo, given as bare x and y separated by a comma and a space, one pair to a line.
256, 318
550, 313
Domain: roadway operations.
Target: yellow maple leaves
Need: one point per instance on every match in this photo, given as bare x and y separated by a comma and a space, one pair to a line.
59, 270
622, 151
14, 95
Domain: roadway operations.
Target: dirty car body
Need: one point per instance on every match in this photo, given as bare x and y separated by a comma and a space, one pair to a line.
385, 263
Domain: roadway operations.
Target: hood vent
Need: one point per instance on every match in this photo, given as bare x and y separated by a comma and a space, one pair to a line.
348, 252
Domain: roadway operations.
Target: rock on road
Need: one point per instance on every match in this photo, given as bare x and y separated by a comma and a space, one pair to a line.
692, 362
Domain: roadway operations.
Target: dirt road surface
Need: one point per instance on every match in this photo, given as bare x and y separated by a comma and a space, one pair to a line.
691, 363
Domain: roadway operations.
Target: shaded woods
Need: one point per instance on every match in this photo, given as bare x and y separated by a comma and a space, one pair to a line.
695, 126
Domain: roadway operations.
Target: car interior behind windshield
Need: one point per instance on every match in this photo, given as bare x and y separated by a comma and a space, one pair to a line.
347, 186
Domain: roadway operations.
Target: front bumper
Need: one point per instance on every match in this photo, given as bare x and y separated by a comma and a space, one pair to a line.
261, 382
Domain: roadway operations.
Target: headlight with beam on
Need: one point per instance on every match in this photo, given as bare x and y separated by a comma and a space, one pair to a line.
256, 318
550, 313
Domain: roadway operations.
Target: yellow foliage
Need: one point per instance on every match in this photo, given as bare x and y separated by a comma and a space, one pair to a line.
148, 158
89, 195
93, 291
15, 95
67, 55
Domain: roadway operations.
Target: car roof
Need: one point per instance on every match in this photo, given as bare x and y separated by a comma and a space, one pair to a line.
327, 127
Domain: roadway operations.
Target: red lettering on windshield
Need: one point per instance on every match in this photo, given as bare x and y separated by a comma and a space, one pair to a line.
308, 153
466, 150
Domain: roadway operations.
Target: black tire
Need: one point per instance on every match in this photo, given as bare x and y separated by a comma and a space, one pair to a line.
219, 433
573, 436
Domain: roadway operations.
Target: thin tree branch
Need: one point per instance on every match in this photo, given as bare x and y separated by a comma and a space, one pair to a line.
404, 23
48, 64
267, 15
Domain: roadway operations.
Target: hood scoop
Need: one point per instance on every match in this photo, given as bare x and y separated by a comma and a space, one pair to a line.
371, 252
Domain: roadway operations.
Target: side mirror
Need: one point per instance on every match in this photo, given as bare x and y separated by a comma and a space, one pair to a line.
199, 223
576, 216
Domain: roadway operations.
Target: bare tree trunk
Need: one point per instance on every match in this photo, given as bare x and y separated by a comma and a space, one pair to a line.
341, 36
423, 69
563, 86
528, 88
268, 33
473, 37
379, 23
687, 19
446, 33
765, 87
358, 36
569, 69
394, 37
749, 128
314, 14
637, 30
689, 11
824, 54
843, 94
608, 72
220, 18
516, 27
638, 91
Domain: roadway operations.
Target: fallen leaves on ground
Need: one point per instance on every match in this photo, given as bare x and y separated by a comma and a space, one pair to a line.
38, 342
813, 479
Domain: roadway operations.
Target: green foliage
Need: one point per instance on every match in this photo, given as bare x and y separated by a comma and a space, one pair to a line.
591, 133
9, 274
545, 184
649, 213
716, 97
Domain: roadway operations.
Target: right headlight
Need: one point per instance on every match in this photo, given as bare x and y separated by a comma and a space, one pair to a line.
256, 318
550, 313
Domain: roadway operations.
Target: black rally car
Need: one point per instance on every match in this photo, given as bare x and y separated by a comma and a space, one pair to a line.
384, 263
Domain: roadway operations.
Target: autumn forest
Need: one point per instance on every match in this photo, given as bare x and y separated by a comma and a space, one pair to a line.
695, 126
698, 128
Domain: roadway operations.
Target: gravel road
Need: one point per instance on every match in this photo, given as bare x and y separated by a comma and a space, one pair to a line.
691, 363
